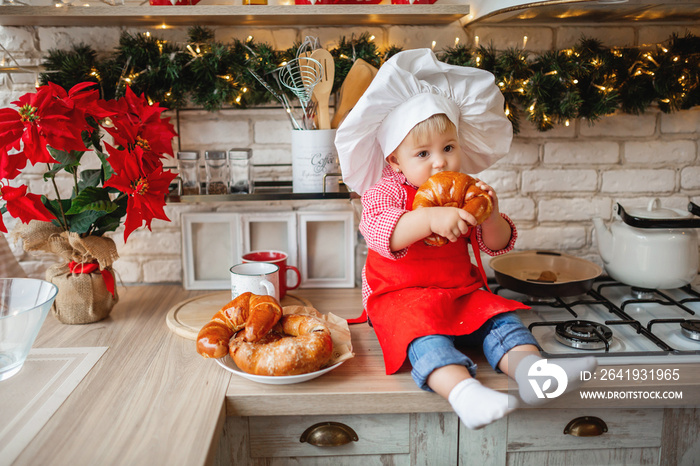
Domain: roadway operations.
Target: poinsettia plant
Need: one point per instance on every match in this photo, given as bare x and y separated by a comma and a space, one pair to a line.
58, 128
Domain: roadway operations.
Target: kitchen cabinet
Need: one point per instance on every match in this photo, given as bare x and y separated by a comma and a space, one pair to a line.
396, 423
526, 437
232, 15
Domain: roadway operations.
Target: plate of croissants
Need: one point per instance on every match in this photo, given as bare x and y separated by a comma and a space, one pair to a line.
253, 337
227, 363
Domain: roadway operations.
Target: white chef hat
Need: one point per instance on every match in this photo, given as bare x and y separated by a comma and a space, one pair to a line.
409, 88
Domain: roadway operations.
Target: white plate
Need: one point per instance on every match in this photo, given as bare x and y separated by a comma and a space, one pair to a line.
227, 363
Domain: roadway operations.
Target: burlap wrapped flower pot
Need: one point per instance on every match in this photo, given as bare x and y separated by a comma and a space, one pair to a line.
82, 297
85, 280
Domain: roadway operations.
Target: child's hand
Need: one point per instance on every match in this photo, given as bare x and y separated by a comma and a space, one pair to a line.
492, 194
450, 222
495, 230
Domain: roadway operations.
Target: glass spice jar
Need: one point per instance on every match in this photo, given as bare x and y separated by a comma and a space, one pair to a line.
217, 172
240, 170
188, 166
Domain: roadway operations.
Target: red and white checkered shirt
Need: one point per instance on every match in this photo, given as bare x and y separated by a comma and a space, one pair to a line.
382, 206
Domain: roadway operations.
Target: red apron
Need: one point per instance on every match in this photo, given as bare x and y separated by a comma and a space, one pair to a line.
431, 290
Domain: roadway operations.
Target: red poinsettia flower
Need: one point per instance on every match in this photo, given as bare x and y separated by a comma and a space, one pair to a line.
138, 123
44, 118
146, 189
23, 205
11, 165
84, 98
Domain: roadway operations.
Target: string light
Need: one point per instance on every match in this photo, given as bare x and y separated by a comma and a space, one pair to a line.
605, 99
191, 50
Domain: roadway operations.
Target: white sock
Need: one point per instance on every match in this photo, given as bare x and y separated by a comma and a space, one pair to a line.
530, 387
478, 406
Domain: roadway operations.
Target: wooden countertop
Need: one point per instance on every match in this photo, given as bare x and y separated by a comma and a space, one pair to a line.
151, 399
361, 386
361, 382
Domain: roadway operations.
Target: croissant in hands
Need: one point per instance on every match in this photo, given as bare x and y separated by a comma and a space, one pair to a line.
254, 313
453, 189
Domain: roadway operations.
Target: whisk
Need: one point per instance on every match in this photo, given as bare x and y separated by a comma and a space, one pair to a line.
280, 97
300, 76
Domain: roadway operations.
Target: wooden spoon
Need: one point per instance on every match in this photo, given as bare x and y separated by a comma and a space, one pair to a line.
355, 84
322, 90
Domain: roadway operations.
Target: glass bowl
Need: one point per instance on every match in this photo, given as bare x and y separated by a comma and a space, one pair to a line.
24, 304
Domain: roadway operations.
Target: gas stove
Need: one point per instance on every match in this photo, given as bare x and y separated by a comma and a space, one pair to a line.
616, 323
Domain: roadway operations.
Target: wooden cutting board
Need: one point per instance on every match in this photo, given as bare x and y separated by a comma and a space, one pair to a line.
186, 318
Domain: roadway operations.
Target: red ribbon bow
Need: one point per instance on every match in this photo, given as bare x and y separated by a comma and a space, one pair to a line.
78, 267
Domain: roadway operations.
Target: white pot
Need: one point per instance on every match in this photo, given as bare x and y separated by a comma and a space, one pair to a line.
656, 248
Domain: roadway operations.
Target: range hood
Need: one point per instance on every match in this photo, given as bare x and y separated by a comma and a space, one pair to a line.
583, 11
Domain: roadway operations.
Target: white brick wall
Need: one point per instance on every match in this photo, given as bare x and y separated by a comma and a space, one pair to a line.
551, 183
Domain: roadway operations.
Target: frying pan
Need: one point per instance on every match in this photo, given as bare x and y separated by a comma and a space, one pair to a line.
545, 273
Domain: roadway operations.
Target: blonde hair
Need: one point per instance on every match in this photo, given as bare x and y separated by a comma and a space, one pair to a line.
438, 123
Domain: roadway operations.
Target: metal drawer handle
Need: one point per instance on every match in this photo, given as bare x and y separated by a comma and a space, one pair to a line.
328, 434
586, 426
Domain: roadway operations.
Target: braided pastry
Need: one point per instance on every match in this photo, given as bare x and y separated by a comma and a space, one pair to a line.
299, 344
453, 189
257, 314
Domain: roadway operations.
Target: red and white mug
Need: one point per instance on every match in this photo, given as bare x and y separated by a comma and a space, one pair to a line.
279, 258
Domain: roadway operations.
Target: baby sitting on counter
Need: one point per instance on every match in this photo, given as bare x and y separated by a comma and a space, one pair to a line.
424, 124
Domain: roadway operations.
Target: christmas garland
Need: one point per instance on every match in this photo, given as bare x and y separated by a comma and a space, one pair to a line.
587, 81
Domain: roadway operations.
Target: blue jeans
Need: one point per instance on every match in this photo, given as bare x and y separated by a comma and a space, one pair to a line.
498, 335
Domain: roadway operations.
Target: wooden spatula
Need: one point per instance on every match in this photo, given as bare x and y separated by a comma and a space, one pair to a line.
355, 84
322, 90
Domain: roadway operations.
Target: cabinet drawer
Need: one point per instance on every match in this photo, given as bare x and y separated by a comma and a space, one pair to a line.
278, 436
543, 429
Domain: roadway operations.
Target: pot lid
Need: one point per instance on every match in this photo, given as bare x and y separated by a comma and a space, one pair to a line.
655, 216
655, 211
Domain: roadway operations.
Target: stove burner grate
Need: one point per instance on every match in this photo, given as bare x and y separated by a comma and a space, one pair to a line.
583, 334
642, 293
691, 329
